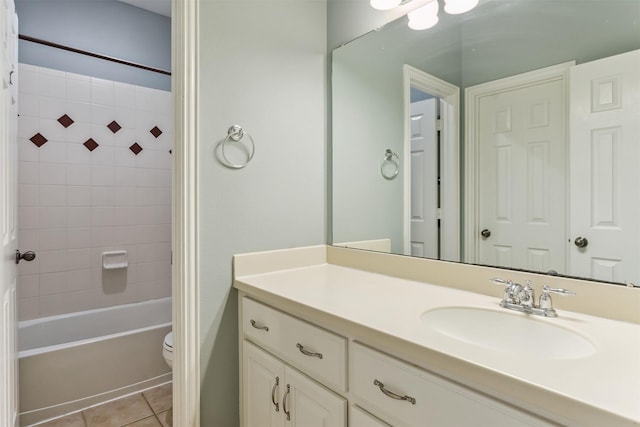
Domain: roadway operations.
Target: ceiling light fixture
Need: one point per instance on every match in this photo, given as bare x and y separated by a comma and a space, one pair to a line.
424, 17
384, 4
455, 7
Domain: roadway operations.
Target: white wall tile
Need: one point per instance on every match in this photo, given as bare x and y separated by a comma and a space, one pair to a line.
29, 105
28, 173
102, 196
68, 302
102, 175
53, 195
28, 195
79, 132
78, 238
29, 240
52, 83
78, 217
29, 79
29, 218
28, 308
51, 108
78, 174
53, 174
53, 217
52, 262
102, 217
28, 286
78, 259
124, 157
75, 204
80, 113
52, 239
125, 196
53, 152
28, 126
102, 92
78, 88
27, 151
54, 283
78, 195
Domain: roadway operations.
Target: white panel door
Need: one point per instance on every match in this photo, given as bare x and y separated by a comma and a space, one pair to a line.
521, 139
311, 405
424, 179
8, 214
262, 388
605, 172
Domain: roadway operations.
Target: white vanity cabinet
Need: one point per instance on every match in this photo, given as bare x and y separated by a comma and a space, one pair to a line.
275, 394
404, 395
290, 367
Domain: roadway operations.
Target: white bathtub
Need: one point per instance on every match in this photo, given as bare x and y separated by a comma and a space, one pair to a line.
73, 361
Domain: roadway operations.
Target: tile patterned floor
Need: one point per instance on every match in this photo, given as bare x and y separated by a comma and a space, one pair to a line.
151, 408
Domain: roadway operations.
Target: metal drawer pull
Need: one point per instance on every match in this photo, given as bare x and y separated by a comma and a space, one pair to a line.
258, 326
307, 352
392, 394
273, 394
284, 403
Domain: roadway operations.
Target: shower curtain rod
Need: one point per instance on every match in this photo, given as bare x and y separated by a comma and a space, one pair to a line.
92, 54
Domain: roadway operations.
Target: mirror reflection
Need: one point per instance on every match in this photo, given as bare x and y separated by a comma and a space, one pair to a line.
515, 128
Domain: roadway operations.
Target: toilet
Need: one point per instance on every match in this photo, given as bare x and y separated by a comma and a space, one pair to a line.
167, 349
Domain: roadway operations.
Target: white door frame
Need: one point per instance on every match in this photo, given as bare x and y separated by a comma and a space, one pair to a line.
472, 101
185, 280
450, 159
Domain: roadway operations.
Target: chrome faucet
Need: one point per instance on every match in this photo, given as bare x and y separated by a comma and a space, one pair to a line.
519, 298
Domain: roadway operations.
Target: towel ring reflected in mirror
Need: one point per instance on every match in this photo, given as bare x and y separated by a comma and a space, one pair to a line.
390, 158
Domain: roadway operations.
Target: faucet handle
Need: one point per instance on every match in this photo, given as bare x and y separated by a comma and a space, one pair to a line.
546, 303
512, 290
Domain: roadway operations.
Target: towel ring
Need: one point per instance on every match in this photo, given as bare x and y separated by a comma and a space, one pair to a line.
390, 157
236, 134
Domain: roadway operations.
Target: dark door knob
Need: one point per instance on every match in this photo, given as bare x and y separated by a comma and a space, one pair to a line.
27, 256
485, 233
581, 242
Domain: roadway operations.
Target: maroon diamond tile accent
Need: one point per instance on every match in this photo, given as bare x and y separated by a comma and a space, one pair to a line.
114, 126
91, 144
38, 139
65, 121
156, 131
136, 148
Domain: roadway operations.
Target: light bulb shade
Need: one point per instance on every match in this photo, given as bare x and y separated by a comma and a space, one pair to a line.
384, 4
424, 17
455, 7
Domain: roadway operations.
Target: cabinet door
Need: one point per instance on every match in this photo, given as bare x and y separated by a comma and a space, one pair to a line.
262, 388
309, 404
361, 418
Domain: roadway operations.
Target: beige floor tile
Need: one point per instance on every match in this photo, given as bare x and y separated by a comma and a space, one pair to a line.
166, 418
160, 398
151, 421
73, 420
119, 412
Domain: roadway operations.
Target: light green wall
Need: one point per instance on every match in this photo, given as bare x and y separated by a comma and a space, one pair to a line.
262, 66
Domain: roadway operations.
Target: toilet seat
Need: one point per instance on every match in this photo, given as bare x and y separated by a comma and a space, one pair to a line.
167, 349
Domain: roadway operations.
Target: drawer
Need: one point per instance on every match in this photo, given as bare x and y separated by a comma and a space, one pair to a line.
315, 351
427, 399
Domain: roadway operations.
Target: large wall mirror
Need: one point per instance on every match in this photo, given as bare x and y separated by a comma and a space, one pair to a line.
506, 136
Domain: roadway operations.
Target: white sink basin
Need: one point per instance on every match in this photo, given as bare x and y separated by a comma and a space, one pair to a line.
508, 332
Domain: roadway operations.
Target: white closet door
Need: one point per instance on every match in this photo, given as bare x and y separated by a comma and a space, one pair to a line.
521, 169
605, 168
8, 213
424, 179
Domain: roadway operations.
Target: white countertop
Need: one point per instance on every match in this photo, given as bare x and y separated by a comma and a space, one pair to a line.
602, 387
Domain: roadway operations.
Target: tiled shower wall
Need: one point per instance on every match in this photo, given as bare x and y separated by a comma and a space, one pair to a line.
94, 176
